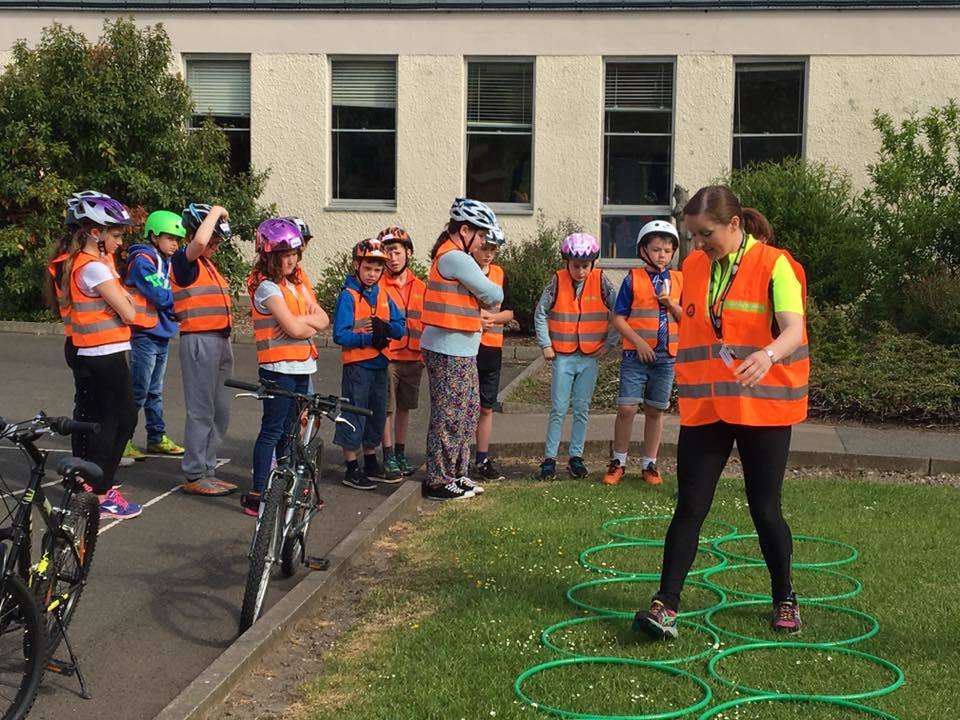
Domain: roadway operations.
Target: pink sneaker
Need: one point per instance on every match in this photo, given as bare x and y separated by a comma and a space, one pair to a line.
786, 616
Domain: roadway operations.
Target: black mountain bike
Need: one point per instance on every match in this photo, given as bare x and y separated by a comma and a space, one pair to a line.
39, 597
291, 496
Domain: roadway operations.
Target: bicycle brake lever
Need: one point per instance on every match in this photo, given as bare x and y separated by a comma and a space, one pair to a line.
342, 419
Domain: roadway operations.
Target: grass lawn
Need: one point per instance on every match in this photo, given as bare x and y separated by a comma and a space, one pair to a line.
460, 616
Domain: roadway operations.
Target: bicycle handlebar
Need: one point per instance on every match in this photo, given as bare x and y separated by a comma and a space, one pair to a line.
67, 426
271, 389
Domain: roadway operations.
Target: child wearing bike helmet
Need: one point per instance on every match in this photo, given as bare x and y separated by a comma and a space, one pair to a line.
148, 282
405, 371
364, 323
100, 313
490, 354
647, 314
202, 304
572, 321
284, 320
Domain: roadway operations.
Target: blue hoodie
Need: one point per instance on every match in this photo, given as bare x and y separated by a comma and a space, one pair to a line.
343, 334
149, 272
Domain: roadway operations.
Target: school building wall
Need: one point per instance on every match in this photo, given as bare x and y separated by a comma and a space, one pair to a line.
897, 61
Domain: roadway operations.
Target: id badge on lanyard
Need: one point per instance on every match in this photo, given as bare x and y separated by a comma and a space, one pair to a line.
716, 308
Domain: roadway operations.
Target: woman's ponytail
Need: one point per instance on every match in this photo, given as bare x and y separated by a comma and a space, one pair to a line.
755, 223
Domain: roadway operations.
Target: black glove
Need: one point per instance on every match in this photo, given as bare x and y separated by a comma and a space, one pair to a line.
380, 333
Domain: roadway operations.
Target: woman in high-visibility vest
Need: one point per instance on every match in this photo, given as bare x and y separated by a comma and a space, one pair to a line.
100, 312
456, 291
284, 319
742, 373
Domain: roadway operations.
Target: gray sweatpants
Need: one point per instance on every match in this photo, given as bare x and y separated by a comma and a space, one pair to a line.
206, 360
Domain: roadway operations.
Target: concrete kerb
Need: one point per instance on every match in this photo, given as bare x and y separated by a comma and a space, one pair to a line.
220, 677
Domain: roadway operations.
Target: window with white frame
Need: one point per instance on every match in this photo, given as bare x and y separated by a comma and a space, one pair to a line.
364, 130
637, 151
500, 132
767, 112
220, 87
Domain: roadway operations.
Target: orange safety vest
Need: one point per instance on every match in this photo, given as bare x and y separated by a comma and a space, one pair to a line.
203, 306
272, 347
147, 316
93, 321
644, 315
54, 268
409, 299
709, 391
305, 284
493, 335
447, 303
578, 324
361, 311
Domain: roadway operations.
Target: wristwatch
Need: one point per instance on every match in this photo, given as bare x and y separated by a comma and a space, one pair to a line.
769, 354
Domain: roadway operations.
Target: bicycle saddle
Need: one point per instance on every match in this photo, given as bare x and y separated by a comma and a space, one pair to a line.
71, 467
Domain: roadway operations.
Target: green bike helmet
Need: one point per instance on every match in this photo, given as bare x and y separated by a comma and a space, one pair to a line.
164, 221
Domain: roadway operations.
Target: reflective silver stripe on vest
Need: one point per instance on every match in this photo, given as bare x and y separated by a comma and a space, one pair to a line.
413, 334
91, 328
694, 391
272, 343
451, 309
188, 313
448, 287
759, 392
413, 315
694, 354
90, 306
573, 337
573, 317
263, 324
194, 291
495, 330
741, 352
645, 313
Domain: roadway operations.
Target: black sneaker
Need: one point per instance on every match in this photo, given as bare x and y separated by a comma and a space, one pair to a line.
374, 470
576, 467
469, 485
358, 480
548, 469
488, 471
450, 491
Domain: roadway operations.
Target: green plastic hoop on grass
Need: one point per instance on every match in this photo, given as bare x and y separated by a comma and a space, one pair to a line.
650, 575
711, 648
571, 598
730, 530
874, 623
747, 690
560, 712
846, 704
855, 584
852, 555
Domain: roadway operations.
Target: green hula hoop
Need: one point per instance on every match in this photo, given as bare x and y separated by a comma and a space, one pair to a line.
747, 690
712, 648
560, 712
853, 554
607, 612
857, 587
733, 704
650, 575
729, 530
874, 623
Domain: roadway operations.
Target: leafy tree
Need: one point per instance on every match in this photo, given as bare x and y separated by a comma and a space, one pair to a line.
107, 116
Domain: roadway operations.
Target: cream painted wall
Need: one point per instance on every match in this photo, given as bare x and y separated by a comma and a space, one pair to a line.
703, 119
845, 91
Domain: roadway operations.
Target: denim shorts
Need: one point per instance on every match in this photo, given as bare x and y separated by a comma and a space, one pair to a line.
646, 383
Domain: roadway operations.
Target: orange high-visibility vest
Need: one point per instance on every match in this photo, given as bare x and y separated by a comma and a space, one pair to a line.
361, 311
203, 306
305, 284
644, 315
93, 321
409, 299
272, 346
709, 391
54, 268
493, 335
448, 303
578, 324
147, 316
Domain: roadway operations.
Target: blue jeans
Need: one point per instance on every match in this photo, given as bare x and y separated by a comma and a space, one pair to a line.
574, 376
278, 414
148, 365
365, 388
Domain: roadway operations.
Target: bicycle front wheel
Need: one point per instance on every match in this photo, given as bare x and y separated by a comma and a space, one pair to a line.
22, 646
266, 545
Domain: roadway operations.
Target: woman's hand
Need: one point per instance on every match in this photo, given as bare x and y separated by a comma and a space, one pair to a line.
752, 370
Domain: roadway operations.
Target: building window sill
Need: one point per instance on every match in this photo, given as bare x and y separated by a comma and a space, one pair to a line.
361, 206
512, 208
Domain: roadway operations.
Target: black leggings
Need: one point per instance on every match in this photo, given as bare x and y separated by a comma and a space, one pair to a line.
702, 453
104, 394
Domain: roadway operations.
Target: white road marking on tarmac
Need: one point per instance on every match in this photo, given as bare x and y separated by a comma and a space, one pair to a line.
145, 505
20, 492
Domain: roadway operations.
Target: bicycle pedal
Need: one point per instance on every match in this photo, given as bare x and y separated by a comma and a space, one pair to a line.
316, 563
61, 668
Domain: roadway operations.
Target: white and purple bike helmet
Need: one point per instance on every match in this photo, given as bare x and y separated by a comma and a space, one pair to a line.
580, 246
95, 208
278, 235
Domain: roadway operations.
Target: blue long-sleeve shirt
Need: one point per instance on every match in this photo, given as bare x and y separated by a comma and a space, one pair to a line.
149, 271
549, 296
343, 314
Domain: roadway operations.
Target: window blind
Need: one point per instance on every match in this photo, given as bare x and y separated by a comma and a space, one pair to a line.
500, 94
364, 83
220, 87
639, 86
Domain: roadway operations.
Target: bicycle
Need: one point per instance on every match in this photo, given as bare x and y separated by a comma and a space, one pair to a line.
38, 599
291, 496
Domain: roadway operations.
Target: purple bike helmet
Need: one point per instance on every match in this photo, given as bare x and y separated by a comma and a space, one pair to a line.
580, 246
278, 235
97, 209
